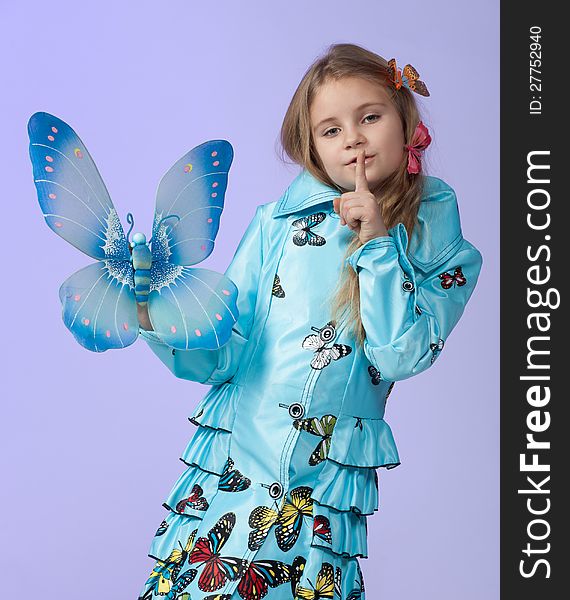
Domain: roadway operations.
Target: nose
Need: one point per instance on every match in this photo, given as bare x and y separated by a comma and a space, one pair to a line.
354, 138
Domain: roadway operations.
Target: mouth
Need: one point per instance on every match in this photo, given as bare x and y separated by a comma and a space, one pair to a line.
367, 160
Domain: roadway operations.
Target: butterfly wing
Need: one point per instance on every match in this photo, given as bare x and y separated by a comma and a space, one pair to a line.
162, 528
414, 82
195, 501
314, 426
322, 426
261, 519
340, 351
321, 358
338, 582
290, 519
261, 574
277, 290
99, 306
459, 278
325, 581
233, 480
297, 568
446, 280
395, 76
192, 195
322, 528
312, 342
375, 375
206, 547
182, 583
71, 193
191, 307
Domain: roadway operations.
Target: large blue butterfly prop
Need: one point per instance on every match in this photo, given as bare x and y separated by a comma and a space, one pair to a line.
188, 307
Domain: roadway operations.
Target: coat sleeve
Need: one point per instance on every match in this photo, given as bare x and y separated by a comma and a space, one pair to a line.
408, 313
214, 367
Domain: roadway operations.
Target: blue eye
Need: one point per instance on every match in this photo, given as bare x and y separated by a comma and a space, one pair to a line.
368, 116
329, 130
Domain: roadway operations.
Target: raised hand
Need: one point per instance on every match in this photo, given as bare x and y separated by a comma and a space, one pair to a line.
359, 209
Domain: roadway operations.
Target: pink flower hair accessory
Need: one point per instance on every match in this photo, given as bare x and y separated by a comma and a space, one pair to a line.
420, 141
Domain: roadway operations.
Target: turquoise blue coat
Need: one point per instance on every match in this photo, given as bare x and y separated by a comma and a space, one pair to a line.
281, 472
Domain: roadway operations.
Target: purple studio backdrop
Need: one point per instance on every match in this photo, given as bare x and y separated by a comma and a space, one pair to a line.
90, 442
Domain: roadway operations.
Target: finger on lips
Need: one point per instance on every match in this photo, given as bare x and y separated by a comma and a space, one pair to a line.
360, 184
360, 181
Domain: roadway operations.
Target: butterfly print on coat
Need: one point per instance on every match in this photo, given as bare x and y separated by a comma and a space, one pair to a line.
322, 528
338, 582
217, 569
288, 520
375, 375
260, 575
164, 576
305, 234
457, 279
161, 529
297, 568
436, 349
322, 427
323, 586
195, 501
277, 290
231, 480
260, 520
323, 353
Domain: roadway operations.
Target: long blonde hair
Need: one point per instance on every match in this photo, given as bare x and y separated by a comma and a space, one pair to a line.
400, 193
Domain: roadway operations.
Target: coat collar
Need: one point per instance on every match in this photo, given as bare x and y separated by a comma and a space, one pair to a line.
438, 230
303, 192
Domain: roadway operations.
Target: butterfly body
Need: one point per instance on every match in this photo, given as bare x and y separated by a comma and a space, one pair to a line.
304, 230
141, 257
188, 307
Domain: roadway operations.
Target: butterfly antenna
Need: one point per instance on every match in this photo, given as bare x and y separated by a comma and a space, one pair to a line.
162, 221
168, 217
131, 222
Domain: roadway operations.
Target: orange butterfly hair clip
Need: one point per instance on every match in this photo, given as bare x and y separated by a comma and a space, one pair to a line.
409, 78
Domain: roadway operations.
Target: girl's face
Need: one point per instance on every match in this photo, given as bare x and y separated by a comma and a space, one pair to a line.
353, 114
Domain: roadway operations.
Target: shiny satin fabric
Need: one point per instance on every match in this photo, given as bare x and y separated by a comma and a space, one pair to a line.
292, 430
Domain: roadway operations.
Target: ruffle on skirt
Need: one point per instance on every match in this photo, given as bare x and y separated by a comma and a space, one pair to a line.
347, 488
208, 450
343, 533
363, 442
205, 455
217, 408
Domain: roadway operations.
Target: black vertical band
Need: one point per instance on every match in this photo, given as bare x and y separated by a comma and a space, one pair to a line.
535, 340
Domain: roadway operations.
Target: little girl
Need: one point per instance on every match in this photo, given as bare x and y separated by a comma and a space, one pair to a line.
351, 281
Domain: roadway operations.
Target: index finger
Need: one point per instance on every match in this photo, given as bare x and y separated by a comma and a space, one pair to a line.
360, 181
